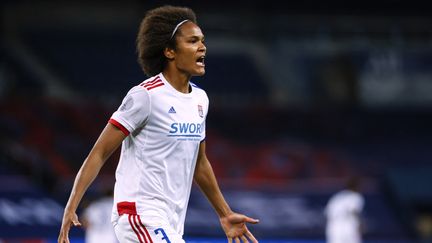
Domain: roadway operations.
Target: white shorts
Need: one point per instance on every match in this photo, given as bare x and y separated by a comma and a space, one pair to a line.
130, 228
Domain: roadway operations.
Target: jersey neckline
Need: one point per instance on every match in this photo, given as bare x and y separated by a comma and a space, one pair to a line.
174, 90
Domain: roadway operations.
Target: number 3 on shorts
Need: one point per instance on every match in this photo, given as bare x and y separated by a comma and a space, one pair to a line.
165, 237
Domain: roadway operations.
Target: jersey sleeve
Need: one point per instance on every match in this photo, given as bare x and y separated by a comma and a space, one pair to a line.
133, 111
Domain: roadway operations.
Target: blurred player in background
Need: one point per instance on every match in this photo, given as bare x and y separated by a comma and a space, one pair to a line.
161, 126
343, 213
96, 220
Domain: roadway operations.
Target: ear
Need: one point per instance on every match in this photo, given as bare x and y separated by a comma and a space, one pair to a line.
169, 53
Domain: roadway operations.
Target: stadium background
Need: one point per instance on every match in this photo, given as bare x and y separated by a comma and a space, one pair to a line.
303, 96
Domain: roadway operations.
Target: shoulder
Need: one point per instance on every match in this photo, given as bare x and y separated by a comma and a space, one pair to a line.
199, 90
195, 86
137, 95
152, 83
144, 88
354, 197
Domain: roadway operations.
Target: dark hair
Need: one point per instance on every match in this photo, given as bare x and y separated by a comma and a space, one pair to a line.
353, 183
155, 35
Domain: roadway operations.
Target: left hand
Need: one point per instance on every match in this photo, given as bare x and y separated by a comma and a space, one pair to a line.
235, 228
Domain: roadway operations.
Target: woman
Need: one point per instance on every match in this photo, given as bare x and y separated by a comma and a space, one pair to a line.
161, 125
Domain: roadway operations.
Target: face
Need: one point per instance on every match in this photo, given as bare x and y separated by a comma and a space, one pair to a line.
190, 50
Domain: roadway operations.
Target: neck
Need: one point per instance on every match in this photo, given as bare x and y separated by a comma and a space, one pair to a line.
178, 80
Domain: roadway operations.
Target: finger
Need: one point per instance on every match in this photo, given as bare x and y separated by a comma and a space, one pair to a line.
251, 220
66, 239
244, 239
229, 240
64, 233
251, 237
76, 223
63, 238
237, 240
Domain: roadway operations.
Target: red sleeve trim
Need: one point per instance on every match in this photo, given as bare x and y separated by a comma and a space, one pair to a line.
119, 126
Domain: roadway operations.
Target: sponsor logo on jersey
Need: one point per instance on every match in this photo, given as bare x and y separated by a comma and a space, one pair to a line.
185, 129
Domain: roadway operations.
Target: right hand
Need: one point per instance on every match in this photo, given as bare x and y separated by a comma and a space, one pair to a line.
69, 219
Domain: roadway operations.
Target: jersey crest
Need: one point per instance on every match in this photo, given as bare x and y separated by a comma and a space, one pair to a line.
200, 111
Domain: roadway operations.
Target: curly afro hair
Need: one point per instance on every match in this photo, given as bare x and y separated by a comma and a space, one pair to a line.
155, 35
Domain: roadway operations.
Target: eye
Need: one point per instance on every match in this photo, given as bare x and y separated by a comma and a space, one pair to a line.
192, 40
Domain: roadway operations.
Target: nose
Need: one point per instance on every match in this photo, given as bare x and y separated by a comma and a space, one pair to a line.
202, 47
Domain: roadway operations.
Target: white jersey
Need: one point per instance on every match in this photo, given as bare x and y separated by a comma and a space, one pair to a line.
98, 217
342, 212
164, 129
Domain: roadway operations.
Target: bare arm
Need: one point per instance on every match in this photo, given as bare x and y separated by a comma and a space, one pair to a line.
206, 180
233, 224
109, 140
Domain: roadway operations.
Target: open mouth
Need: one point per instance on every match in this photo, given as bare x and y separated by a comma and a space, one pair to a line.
200, 61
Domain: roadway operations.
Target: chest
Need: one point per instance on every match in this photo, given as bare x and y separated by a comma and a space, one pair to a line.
178, 117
